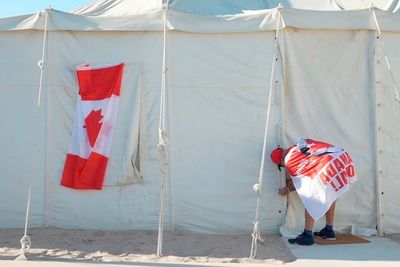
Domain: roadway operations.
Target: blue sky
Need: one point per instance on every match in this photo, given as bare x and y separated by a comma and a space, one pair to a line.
20, 7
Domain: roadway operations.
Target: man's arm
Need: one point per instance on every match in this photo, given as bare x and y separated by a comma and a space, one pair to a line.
290, 185
284, 191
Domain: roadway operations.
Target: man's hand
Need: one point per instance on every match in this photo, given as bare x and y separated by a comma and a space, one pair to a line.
284, 191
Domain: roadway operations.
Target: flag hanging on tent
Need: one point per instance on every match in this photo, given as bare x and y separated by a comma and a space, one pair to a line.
320, 172
95, 117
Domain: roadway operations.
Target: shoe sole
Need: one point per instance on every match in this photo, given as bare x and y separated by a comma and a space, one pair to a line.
295, 243
330, 239
302, 244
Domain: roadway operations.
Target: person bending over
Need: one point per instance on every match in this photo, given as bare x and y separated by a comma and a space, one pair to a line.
320, 173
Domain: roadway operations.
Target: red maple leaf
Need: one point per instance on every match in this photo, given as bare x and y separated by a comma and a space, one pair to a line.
93, 125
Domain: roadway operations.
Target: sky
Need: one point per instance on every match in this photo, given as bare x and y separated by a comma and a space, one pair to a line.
21, 7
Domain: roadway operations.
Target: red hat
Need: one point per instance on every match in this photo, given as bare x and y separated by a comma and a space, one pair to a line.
276, 156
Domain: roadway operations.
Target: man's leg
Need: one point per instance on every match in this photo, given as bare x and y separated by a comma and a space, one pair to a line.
330, 214
305, 238
327, 232
309, 221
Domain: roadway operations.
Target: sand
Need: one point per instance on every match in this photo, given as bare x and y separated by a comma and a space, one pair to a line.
53, 244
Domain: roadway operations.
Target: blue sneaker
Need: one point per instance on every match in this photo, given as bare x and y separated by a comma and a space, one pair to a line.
303, 240
325, 234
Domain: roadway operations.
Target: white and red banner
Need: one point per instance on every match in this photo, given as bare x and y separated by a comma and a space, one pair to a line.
320, 172
97, 106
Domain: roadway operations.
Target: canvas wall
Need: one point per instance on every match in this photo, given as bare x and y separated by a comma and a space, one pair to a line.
217, 88
216, 116
23, 127
387, 130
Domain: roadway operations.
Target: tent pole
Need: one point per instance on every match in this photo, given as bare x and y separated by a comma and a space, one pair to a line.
162, 136
26, 240
256, 235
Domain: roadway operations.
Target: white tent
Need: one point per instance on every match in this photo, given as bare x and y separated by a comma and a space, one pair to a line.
331, 83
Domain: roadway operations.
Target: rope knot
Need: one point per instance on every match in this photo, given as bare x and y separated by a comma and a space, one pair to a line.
165, 5
257, 233
256, 188
25, 243
256, 238
162, 140
40, 64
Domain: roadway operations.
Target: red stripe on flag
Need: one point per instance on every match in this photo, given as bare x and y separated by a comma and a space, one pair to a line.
81, 173
98, 84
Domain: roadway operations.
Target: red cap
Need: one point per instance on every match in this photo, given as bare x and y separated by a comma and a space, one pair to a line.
276, 156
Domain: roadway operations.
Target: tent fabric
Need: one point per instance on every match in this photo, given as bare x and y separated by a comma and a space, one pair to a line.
331, 84
250, 21
387, 120
225, 7
326, 108
210, 7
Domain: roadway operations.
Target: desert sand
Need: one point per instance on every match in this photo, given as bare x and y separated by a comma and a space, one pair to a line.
54, 244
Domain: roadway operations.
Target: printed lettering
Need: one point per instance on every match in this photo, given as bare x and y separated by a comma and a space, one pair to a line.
350, 170
345, 158
334, 186
341, 184
324, 178
339, 164
343, 176
331, 171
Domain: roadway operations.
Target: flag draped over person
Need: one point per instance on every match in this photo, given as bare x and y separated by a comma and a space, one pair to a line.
95, 117
320, 172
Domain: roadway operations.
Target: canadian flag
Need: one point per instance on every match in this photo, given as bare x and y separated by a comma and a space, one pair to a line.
96, 113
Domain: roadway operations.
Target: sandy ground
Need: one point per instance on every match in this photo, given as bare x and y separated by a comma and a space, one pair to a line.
52, 244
